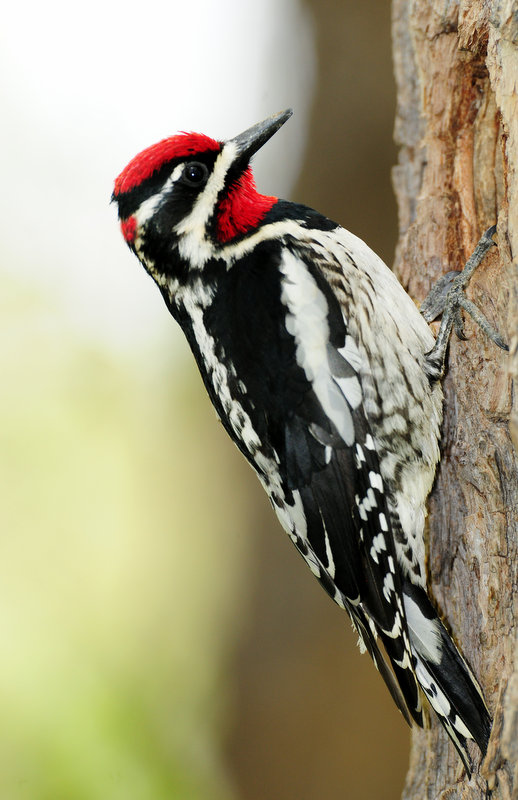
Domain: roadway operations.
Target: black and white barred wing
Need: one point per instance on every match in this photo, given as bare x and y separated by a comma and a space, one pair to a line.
344, 531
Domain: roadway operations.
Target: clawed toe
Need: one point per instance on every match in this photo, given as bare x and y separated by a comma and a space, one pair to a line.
447, 297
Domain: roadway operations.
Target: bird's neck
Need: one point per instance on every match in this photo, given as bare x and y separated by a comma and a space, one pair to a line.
242, 209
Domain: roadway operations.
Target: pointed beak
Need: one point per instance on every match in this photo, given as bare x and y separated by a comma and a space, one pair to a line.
249, 142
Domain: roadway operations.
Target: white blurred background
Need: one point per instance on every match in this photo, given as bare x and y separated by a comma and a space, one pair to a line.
159, 638
84, 89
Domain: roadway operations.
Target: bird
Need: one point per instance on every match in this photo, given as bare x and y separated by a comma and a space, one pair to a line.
327, 377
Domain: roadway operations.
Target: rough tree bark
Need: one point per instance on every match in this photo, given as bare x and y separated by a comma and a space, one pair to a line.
457, 128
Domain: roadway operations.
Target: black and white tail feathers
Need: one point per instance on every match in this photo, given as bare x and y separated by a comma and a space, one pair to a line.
438, 669
448, 683
393, 616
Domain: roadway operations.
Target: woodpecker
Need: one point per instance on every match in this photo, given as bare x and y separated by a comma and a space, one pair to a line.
326, 377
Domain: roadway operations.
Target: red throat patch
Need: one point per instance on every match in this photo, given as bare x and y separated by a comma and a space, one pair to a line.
242, 209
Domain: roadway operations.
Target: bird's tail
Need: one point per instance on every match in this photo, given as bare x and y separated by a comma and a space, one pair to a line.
444, 676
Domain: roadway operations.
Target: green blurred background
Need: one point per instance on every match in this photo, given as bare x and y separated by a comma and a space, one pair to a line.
160, 637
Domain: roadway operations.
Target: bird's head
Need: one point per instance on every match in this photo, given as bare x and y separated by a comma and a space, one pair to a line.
186, 196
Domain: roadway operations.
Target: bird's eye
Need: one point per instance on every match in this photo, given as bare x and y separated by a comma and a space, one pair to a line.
195, 174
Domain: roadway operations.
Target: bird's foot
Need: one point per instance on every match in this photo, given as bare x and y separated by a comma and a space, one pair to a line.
448, 297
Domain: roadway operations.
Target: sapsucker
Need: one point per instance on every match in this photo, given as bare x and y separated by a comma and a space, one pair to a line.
326, 377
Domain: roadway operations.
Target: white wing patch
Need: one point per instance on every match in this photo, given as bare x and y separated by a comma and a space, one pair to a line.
351, 389
307, 322
425, 634
351, 353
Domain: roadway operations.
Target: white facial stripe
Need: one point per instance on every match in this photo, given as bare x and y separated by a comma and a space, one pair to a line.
146, 209
194, 224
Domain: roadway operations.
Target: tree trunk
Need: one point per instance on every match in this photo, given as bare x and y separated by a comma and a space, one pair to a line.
457, 128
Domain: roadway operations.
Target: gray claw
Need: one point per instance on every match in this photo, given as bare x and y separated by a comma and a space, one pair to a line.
447, 297
458, 325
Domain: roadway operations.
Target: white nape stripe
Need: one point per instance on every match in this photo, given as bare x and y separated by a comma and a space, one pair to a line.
306, 321
148, 207
425, 634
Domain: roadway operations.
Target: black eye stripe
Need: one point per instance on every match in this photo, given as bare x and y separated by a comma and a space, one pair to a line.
129, 202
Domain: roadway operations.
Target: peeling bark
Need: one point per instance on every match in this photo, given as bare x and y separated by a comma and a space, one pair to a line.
457, 128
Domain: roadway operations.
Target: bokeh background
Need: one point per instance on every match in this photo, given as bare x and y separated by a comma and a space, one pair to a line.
160, 639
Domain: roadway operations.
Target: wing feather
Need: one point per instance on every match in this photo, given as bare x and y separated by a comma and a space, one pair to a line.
349, 529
